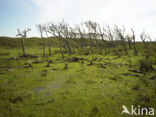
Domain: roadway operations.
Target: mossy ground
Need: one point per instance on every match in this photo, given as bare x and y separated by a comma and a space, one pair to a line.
82, 90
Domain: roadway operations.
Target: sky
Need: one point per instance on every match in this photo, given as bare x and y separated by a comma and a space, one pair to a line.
137, 14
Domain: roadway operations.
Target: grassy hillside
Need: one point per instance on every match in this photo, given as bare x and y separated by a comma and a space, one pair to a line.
16, 42
79, 85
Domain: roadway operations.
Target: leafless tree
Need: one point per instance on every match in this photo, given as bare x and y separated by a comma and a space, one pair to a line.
134, 43
45, 28
89, 34
40, 28
66, 36
73, 39
110, 40
93, 35
23, 35
90, 37
56, 31
146, 39
129, 40
59, 29
119, 33
81, 38
102, 34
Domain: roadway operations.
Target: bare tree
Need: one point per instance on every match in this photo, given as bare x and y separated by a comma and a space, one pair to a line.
134, 43
81, 38
89, 34
96, 36
74, 36
90, 37
146, 39
56, 31
93, 35
120, 34
66, 36
102, 35
41, 30
129, 40
45, 28
23, 35
110, 40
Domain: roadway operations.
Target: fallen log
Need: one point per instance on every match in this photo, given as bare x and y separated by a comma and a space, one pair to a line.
28, 56
43, 103
136, 71
127, 74
26, 66
76, 59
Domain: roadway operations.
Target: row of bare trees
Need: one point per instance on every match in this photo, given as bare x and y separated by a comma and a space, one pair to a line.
88, 37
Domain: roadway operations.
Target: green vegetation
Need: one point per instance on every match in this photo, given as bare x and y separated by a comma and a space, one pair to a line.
83, 84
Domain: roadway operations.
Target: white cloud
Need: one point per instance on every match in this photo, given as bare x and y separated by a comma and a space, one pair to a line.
138, 14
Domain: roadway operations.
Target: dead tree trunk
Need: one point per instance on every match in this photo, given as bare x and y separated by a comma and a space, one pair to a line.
23, 47
146, 39
23, 35
56, 31
102, 34
41, 30
43, 47
66, 36
81, 39
49, 45
61, 50
134, 43
120, 34
124, 45
129, 40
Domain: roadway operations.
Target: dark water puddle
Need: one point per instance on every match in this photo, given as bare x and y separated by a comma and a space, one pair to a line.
46, 90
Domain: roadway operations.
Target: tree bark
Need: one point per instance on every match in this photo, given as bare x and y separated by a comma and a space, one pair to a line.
43, 46
23, 47
49, 47
61, 48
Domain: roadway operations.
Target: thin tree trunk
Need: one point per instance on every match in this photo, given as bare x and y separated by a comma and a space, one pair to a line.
43, 47
133, 37
135, 50
125, 49
23, 47
124, 45
104, 44
69, 49
129, 44
49, 47
61, 49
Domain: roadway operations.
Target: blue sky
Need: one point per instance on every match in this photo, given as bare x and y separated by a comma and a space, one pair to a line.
137, 14
17, 14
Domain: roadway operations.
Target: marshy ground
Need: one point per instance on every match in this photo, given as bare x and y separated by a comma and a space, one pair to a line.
70, 87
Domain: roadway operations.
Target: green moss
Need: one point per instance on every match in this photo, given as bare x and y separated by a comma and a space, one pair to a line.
82, 90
